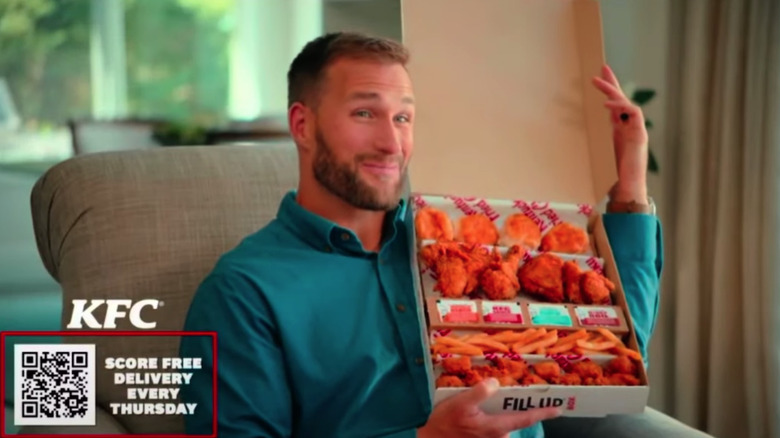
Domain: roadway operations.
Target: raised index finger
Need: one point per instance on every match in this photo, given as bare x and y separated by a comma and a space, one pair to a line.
610, 77
608, 89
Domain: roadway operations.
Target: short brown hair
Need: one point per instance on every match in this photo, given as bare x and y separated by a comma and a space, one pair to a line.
308, 67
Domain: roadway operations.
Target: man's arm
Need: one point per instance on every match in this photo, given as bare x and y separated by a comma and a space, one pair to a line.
253, 396
637, 244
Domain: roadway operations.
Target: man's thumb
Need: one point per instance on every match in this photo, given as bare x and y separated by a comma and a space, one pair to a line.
479, 392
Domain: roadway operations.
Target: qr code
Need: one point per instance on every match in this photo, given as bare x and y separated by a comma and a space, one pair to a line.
54, 385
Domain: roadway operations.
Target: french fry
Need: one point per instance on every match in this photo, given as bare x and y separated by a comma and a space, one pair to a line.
586, 351
608, 335
595, 346
489, 344
451, 342
531, 335
466, 351
570, 338
439, 348
546, 341
630, 353
509, 337
562, 348
468, 338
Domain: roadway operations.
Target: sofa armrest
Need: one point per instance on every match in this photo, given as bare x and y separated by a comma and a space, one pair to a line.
651, 423
105, 424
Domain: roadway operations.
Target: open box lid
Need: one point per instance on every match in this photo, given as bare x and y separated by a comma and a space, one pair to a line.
505, 104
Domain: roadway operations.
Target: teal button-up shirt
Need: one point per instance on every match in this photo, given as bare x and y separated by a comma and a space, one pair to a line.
319, 338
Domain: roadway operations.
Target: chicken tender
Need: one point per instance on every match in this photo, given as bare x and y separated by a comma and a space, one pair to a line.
621, 365
432, 223
471, 378
597, 381
571, 282
570, 379
477, 229
445, 381
456, 365
533, 379
521, 230
549, 371
565, 238
623, 380
587, 370
542, 277
452, 278
515, 368
507, 380
499, 280
596, 288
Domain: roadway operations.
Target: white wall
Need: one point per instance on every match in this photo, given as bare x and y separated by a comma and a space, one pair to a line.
377, 17
636, 46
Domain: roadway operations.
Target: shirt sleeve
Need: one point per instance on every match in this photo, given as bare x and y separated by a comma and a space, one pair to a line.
637, 245
253, 395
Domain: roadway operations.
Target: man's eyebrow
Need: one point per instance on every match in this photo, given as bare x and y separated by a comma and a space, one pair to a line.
370, 95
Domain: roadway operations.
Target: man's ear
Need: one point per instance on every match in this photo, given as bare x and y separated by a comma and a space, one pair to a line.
300, 120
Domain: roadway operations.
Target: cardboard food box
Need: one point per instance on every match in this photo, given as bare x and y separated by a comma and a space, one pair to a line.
508, 121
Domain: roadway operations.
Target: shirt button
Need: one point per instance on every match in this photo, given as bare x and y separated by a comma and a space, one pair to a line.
419, 361
327, 249
344, 236
400, 307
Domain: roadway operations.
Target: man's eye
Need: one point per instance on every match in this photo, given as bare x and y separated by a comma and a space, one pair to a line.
362, 113
402, 118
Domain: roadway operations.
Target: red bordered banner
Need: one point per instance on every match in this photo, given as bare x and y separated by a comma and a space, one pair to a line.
5, 334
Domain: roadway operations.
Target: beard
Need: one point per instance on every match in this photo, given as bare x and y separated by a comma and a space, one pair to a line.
343, 180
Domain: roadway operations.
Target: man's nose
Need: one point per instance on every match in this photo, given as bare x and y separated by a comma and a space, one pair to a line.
388, 137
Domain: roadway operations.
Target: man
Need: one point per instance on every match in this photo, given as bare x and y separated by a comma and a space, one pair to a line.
315, 313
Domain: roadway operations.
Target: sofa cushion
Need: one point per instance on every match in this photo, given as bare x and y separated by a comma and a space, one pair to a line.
150, 224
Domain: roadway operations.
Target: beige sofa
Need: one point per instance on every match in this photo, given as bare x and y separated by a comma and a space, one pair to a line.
151, 223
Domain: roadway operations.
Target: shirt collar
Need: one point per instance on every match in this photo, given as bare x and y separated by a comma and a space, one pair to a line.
324, 234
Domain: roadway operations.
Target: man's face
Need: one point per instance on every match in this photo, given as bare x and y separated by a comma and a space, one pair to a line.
363, 132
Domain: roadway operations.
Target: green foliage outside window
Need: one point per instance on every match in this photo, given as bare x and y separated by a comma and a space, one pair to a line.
177, 54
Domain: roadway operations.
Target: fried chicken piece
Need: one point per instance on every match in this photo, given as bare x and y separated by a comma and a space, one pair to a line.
565, 238
597, 381
487, 371
456, 365
471, 378
478, 261
521, 230
549, 371
542, 277
596, 288
571, 282
433, 253
499, 280
507, 380
445, 381
533, 379
457, 266
515, 368
621, 365
570, 379
623, 380
432, 223
477, 229
452, 277
587, 370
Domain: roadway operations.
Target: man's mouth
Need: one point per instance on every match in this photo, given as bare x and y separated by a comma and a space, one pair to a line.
379, 168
